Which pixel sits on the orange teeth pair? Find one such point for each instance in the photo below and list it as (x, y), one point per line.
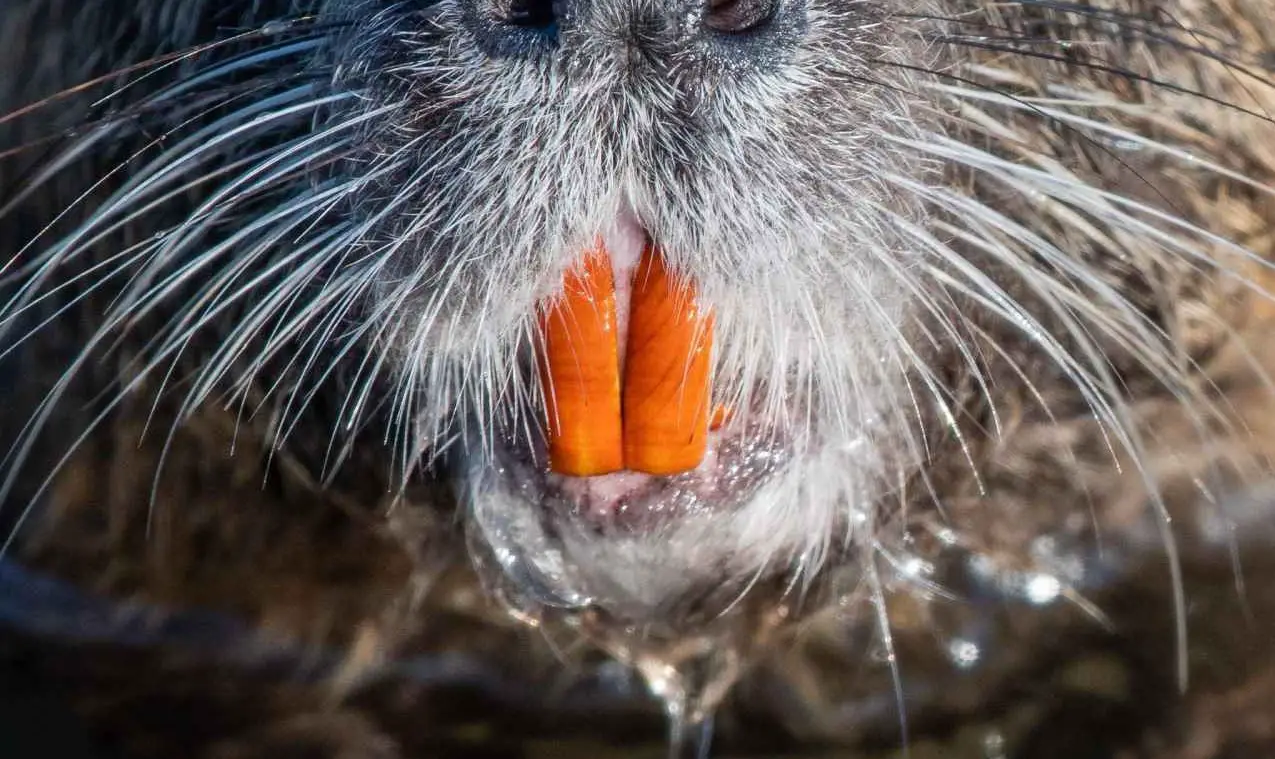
(656, 418)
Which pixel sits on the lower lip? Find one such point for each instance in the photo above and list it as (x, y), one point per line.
(605, 496)
(740, 459)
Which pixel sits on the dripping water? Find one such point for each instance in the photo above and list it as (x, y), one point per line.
(689, 741)
(690, 692)
(689, 674)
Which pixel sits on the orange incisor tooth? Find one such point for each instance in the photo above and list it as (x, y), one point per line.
(666, 373)
(580, 369)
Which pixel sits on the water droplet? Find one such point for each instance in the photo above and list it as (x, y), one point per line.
(275, 27)
(964, 653)
(1043, 589)
(914, 567)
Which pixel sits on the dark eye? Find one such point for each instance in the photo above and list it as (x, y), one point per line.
(734, 16)
(530, 13)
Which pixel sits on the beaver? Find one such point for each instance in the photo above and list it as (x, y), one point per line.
(923, 401)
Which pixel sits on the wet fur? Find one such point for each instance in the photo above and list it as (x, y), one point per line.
(1083, 352)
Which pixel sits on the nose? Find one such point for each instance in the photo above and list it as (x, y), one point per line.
(738, 31)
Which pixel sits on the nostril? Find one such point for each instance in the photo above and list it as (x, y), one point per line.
(530, 14)
(513, 29)
(737, 16)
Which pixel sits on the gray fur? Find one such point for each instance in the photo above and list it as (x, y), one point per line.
(365, 228)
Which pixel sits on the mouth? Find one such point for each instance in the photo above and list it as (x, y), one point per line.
(632, 437)
(736, 464)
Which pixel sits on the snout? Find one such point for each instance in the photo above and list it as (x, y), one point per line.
(732, 33)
